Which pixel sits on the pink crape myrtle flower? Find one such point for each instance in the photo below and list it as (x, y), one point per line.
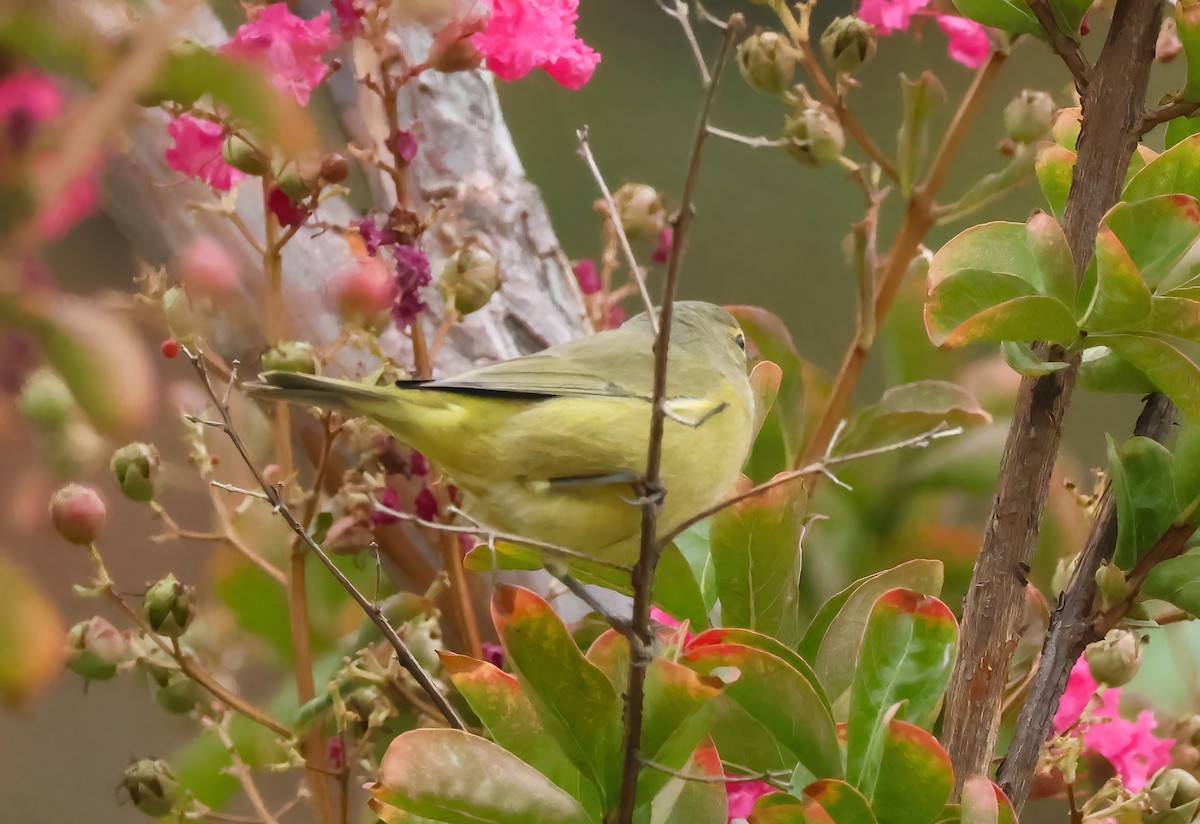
(197, 152)
(969, 41)
(290, 48)
(890, 16)
(1135, 753)
(30, 94)
(523, 35)
(77, 200)
(743, 794)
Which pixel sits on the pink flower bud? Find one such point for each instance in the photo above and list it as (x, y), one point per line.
(78, 513)
(365, 293)
(208, 270)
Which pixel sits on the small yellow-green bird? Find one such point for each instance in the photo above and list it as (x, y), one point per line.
(548, 446)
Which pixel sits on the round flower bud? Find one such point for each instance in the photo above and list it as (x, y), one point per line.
(766, 62)
(46, 401)
(95, 648)
(1029, 116)
(469, 279)
(1168, 45)
(239, 154)
(1114, 660)
(137, 468)
(641, 210)
(334, 168)
(1111, 584)
(365, 294)
(169, 607)
(173, 690)
(291, 356)
(1183, 787)
(817, 137)
(207, 270)
(151, 787)
(181, 316)
(78, 513)
(848, 42)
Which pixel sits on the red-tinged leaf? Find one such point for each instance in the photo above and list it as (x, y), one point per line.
(832, 640)
(453, 776)
(915, 777)
(574, 700)
(33, 640)
(765, 380)
(778, 697)
(1113, 295)
(770, 337)
(976, 305)
(1048, 243)
(910, 410)
(769, 645)
(1054, 168)
(985, 803)
(1170, 364)
(610, 653)
(1005, 249)
(500, 703)
(781, 808)
(1156, 233)
(702, 801)
(1175, 171)
(755, 546)
(837, 802)
(903, 667)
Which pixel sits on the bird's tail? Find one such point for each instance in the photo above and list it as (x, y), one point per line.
(327, 393)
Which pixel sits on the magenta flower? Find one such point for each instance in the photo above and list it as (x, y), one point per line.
(425, 504)
(969, 41)
(290, 48)
(588, 277)
(523, 35)
(890, 16)
(743, 794)
(28, 97)
(391, 500)
(402, 144)
(77, 200)
(493, 654)
(288, 212)
(662, 252)
(350, 15)
(418, 464)
(197, 152)
(208, 270)
(412, 272)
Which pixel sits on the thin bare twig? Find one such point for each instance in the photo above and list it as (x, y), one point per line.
(754, 142)
(1167, 111)
(1065, 46)
(242, 772)
(651, 485)
(614, 219)
(779, 779)
(403, 654)
(679, 10)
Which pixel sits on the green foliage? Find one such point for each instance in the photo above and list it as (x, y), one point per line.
(1144, 488)
(910, 410)
(1012, 16)
(984, 803)
(921, 97)
(915, 777)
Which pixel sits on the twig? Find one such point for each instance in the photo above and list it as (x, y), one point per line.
(779, 779)
(679, 10)
(228, 535)
(1063, 44)
(244, 776)
(372, 611)
(1167, 111)
(754, 142)
(614, 219)
(651, 486)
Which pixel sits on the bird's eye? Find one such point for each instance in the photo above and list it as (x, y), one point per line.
(740, 340)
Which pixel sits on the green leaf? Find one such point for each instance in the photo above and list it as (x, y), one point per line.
(920, 97)
(985, 803)
(702, 801)
(907, 652)
(678, 712)
(1113, 295)
(1143, 485)
(33, 639)
(777, 696)
(694, 544)
(676, 589)
(1054, 168)
(1029, 252)
(459, 778)
(501, 704)
(773, 341)
(976, 305)
(915, 777)
(1180, 129)
(742, 740)
(1170, 315)
(574, 699)
(1169, 363)
(765, 379)
(1187, 20)
(750, 638)
(502, 555)
(832, 640)
(1012, 16)
(1176, 581)
(1052, 253)
(836, 802)
(1103, 370)
(781, 808)
(1175, 171)
(1022, 359)
(1069, 15)
(910, 410)
(1187, 467)
(1156, 232)
(756, 551)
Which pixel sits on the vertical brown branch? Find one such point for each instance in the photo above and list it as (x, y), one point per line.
(1112, 112)
(651, 485)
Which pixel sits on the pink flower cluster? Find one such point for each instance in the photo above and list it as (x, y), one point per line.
(969, 41)
(523, 35)
(1130, 746)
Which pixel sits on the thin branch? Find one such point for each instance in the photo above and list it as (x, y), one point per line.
(614, 219)
(1167, 111)
(1065, 46)
(679, 10)
(651, 482)
(403, 654)
(244, 776)
(754, 142)
(779, 779)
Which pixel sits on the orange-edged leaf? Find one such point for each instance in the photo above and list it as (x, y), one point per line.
(783, 426)
(702, 801)
(1005, 248)
(1113, 295)
(1156, 232)
(781, 808)
(1054, 168)
(1175, 171)
(837, 802)
(915, 777)
(33, 640)
(765, 379)
(750, 638)
(985, 803)
(975, 305)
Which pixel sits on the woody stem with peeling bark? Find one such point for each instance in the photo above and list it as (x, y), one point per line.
(651, 488)
(919, 218)
(1112, 114)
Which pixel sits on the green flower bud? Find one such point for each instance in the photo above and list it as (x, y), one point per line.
(46, 401)
(169, 607)
(817, 137)
(1115, 659)
(1111, 584)
(95, 648)
(848, 42)
(151, 787)
(78, 513)
(182, 318)
(239, 154)
(291, 356)
(1179, 788)
(136, 466)
(766, 62)
(469, 279)
(1029, 117)
(294, 181)
(173, 689)
(641, 210)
